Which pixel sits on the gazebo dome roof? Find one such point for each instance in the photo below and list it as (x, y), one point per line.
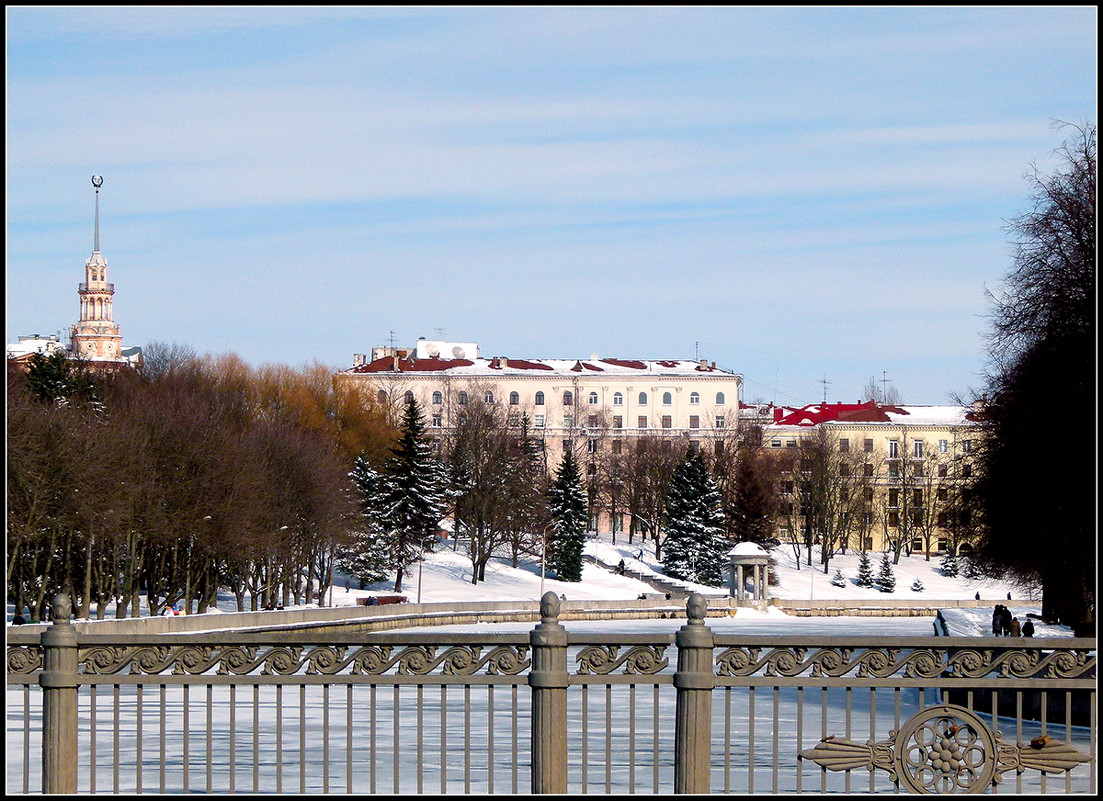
(748, 549)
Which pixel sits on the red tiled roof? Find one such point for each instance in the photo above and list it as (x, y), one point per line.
(814, 414)
(625, 363)
(387, 364)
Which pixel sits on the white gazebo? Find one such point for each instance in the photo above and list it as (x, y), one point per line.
(749, 555)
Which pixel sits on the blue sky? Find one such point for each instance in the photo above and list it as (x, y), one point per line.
(792, 193)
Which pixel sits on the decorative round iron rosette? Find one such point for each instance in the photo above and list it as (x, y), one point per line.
(946, 749)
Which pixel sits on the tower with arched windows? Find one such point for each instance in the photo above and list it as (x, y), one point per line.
(96, 336)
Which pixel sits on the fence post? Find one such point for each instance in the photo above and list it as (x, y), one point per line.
(694, 681)
(59, 700)
(548, 680)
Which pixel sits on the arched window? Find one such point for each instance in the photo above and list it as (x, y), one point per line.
(593, 399)
(568, 398)
(409, 396)
(694, 399)
(514, 399)
(437, 398)
(667, 399)
(719, 398)
(461, 398)
(490, 397)
(539, 398)
(618, 399)
(382, 396)
(643, 399)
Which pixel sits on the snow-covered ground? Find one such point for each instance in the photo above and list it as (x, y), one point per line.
(445, 576)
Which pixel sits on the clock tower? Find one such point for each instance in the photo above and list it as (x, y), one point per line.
(96, 337)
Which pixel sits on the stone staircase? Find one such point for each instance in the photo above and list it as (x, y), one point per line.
(670, 588)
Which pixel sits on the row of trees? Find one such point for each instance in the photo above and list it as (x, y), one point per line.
(197, 474)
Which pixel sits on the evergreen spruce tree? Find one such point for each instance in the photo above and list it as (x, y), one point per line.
(838, 580)
(886, 579)
(949, 565)
(917, 585)
(865, 570)
(695, 546)
(414, 494)
(567, 505)
(367, 555)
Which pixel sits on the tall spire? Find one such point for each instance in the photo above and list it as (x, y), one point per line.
(97, 181)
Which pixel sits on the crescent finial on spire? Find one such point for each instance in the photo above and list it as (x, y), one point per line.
(97, 181)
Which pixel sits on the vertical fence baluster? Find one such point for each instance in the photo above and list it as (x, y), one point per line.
(443, 739)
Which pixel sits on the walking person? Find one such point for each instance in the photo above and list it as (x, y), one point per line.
(1015, 631)
(1028, 628)
(1005, 622)
(996, 618)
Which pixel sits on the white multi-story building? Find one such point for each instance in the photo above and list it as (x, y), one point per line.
(564, 399)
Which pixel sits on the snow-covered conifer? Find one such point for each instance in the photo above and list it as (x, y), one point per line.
(917, 585)
(886, 579)
(865, 570)
(695, 546)
(949, 565)
(568, 507)
(838, 580)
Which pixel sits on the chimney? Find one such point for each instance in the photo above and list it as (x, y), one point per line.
(357, 359)
(704, 364)
(395, 363)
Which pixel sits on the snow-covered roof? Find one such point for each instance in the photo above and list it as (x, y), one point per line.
(748, 549)
(871, 412)
(500, 365)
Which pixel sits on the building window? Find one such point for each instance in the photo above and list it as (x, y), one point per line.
(437, 421)
(894, 497)
(593, 399)
(943, 446)
(694, 421)
(643, 399)
(790, 443)
(867, 470)
(490, 397)
(844, 445)
(566, 445)
(894, 449)
(917, 497)
(844, 469)
(438, 398)
(618, 399)
(568, 398)
(869, 495)
(775, 443)
(641, 421)
(667, 399)
(719, 398)
(568, 421)
(918, 448)
(461, 398)
(615, 447)
(694, 399)
(943, 521)
(618, 421)
(514, 399)
(965, 446)
(538, 421)
(667, 421)
(409, 396)
(894, 519)
(591, 446)
(943, 495)
(868, 446)
(720, 421)
(539, 398)
(942, 471)
(966, 470)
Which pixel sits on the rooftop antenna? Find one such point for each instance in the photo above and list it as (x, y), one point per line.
(440, 333)
(97, 181)
(696, 352)
(826, 384)
(884, 388)
(776, 369)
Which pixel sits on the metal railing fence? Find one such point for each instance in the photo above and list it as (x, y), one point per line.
(547, 711)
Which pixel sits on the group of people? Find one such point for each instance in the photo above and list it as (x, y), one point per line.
(1003, 624)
